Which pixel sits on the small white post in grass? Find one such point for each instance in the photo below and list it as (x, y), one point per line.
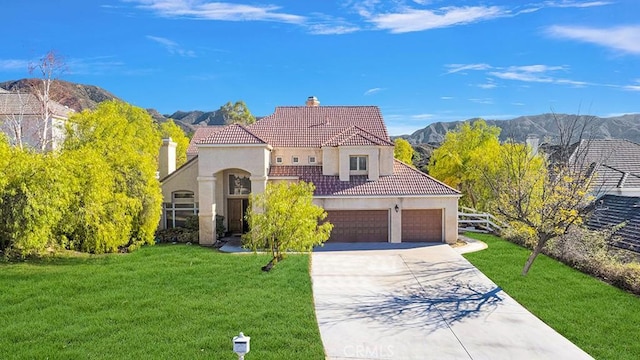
(241, 345)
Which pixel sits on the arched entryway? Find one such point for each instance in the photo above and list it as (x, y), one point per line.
(237, 200)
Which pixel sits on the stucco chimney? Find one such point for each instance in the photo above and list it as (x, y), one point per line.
(532, 143)
(312, 101)
(167, 158)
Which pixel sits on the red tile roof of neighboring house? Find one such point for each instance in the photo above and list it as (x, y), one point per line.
(404, 181)
(201, 133)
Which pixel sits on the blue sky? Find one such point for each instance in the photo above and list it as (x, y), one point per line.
(420, 61)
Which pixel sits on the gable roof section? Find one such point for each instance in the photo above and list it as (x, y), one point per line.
(611, 210)
(617, 161)
(24, 104)
(201, 133)
(233, 134)
(404, 181)
(355, 136)
(313, 126)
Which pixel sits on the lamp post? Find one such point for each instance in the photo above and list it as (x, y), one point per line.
(241, 345)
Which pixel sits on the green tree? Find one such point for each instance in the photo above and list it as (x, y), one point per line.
(284, 218)
(541, 199)
(467, 152)
(32, 194)
(127, 140)
(237, 113)
(170, 129)
(403, 151)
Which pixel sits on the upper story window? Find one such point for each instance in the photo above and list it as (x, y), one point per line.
(312, 159)
(295, 159)
(278, 159)
(358, 163)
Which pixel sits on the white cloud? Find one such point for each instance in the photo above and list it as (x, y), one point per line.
(575, 4)
(206, 10)
(632, 87)
(171, 46)
(409, 20)
(13, 64)
(454, 68)
(372, 91)
(422, 116)
(622, 38)
(331, 29)
(517, 104)
(528, 73)
(484, 101)
(446, 97)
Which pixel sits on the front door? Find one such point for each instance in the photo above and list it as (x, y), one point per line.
(237, 209)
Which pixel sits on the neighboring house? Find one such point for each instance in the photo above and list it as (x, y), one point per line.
(344, 150)
(615, 165)
(21, 119)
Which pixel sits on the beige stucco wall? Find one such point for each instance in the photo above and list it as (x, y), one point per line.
(302, 153)
(213, 161)
(330, 161)
(449, 206)
(182, 179)
(386, 160)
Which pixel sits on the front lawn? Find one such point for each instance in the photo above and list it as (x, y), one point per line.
(599, 318)
(160, 302)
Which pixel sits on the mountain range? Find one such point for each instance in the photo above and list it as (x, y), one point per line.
(80, 97)
(544, 126)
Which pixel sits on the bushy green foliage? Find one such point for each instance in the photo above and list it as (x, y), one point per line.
(98, 194)
(403, 151)
(127, 140)
(465, 155)
(285, 218)
(169, 129)
(237, 113)
(31, 196)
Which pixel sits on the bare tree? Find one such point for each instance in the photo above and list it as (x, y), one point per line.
(48, 68)
(12, 116)
(544, 196)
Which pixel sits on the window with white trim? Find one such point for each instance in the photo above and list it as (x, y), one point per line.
(358, 163)
(312, 159)
(181, 207)
(295, 159)
(278, 159)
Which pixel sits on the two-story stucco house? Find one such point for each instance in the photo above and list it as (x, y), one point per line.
(344, 151)
(21, 119)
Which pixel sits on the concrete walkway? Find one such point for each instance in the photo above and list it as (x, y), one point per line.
(418, 301)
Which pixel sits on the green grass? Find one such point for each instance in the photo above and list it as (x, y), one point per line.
(160, 302)
(599, 318)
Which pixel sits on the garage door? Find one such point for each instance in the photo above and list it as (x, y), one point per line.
(359, 225)
(422, 225)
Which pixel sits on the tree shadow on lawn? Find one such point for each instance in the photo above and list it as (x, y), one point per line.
(438, 297)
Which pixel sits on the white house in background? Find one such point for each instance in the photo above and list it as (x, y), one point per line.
(344, 151)
(21, 118)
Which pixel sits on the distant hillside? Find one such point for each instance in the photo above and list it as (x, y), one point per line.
(544, 126)
(76, 96)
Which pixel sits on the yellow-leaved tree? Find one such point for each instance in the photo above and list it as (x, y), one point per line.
(284, 218)
(466, 154)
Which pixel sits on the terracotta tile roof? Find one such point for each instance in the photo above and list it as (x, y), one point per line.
(613, 158)
(232, 134)
(404, 181)
(355, 136)
(313, 126)
(201, 133)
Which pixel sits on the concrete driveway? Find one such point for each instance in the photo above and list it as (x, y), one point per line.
(408, 301)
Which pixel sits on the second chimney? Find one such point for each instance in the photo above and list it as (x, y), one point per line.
(312, 101)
